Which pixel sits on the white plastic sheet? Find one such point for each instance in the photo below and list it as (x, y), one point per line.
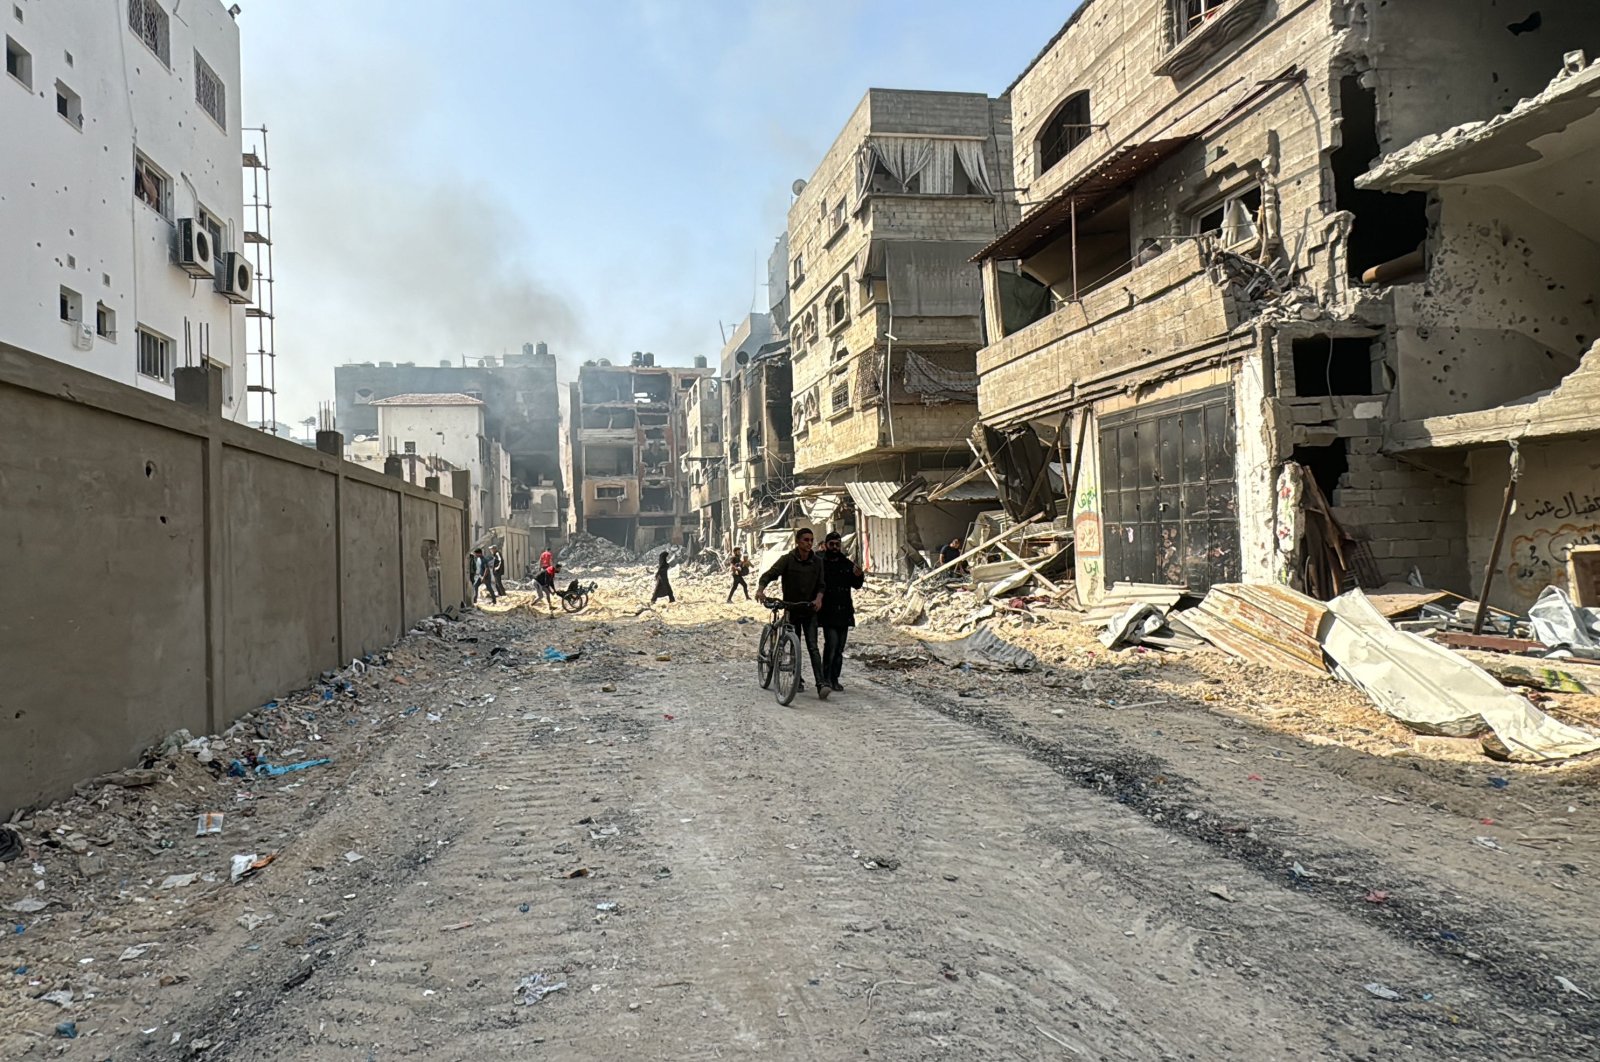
(1433, 691)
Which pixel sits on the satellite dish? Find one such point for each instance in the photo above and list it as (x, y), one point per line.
(798, 186)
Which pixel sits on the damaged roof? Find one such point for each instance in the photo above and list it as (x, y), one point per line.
(1536, 130)
(428, 400)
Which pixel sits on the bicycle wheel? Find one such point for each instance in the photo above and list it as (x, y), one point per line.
(786, 666)
(574, 602)
(764, 658)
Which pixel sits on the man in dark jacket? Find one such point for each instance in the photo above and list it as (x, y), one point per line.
(838, 615)
(803, 580)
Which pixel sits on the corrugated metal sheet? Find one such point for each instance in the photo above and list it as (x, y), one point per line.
(872, 498)
(1265, 624)
(822, 507)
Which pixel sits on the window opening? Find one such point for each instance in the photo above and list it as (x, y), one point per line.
(155, 356)
(411, 447)
(71, 305)
(105, 322)
(209, 91)
(1232, 221)
(1190, 15)
(149, 23)
(1387, 225)
(1065, 130)
(69, 105)
(610, 493)
(840, 399)
(152, 187)
(1325, 366)
(19, 63)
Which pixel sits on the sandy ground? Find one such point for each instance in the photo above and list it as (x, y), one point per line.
(1126, 856)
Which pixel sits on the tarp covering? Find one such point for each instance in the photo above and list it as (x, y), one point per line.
(1433, 691)
(935, 383)
(1560, 624)
(983, 648)
(927, 278)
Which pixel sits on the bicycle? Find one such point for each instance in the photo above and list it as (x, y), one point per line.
(778, 654)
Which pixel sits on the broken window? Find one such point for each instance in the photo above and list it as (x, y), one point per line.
(1329, 365)
(1388, 226)
(610, 493)
(1065, 130)
(656, 499)
(1190, 15)
(151, 186)
(1232, 222)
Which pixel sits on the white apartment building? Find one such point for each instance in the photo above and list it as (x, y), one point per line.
(449, 427)
(121, 193)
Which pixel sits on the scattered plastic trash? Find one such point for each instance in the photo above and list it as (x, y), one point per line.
(28, 905)
(134, 952)
(1568, 986)
(1499, 783)
(555, 656)
(61, 997)
(252, 921)
(273, 771)
(524, 908)
(1376, 896)
(208, 822)
(1383, 991)
(668, 718)
(1254, 778)
(1487, 842)
(1299, 873)
(535, 987)
(608, 905)
(435, 717)
(580, 872)
(10, 844)
(353, 857)
(1221, 892)
(245, 865)
(179, 881)
(67, 1030)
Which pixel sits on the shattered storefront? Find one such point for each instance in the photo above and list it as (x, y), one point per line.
(1274, 365)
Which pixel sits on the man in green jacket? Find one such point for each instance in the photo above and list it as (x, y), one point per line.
(802, 578)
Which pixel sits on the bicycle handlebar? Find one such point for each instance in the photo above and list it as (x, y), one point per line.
(775, 605)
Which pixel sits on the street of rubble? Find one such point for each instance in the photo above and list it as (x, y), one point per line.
(634, 852)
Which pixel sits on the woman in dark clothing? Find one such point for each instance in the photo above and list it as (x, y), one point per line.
(663, 584)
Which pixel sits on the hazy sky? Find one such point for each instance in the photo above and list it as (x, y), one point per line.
(457, 178)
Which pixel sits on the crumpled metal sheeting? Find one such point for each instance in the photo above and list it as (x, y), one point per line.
(983, 648)
(1433, 691)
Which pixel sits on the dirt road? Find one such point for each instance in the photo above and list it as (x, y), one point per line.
(900, 872)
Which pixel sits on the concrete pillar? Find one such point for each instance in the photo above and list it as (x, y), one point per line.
(431, 483)
(461, 486)
(394, 465)
(199, 386)
(993, 320)
(331, 442)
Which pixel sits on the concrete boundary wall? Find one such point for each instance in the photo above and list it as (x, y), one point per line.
(162, 568)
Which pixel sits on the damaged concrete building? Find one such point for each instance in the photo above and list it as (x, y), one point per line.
(630, 435)
(1287, 346)
(705, 465)
(885, 315)
(757, 422)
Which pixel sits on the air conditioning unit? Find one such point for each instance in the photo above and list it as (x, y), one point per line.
(239, 281)
(196, 256)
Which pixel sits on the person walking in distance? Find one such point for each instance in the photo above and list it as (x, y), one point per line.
(803, 579)
(481, 576)
(546, 579)
(497, 568)
(663, 583)
(842, 576)
(740, 568)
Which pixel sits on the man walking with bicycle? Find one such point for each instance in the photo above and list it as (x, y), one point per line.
(801, 574)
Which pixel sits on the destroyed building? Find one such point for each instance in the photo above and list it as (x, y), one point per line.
(520, 408)
(757, 428)
(885, 316)
(630, 437)
(705, 466)
(1291, 319)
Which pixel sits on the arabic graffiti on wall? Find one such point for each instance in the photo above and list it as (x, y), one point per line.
(1538, 558)
(1566, 507)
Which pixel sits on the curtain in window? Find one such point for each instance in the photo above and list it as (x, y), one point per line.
(970, 152)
